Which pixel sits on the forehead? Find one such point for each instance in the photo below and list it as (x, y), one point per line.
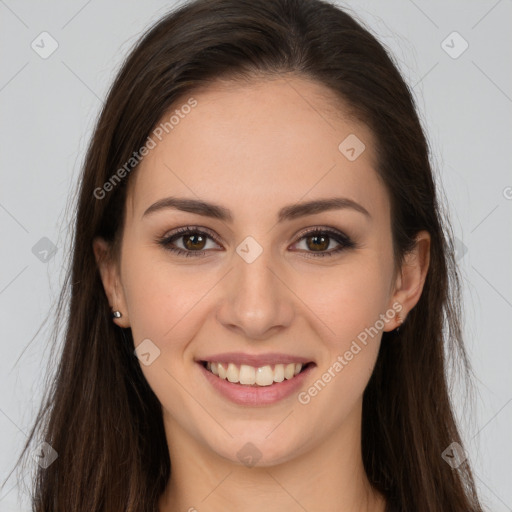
(257, 143)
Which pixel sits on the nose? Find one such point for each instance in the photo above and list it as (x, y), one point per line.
(256, 300)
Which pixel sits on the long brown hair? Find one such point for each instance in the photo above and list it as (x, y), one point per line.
(101, 416)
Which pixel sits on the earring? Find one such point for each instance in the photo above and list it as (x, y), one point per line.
(400, 322)
(116, 314)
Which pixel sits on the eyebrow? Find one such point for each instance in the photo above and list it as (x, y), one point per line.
(286, 213)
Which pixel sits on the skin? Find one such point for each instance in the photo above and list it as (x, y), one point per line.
(254, 148)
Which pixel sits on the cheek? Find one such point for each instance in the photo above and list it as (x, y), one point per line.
(164, 307)
(353, 312)
(348, 299)
(351, 307)
(161, 298)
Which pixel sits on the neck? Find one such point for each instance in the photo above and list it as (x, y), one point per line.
(329, 477)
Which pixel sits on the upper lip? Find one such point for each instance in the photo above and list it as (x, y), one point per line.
(257, 361)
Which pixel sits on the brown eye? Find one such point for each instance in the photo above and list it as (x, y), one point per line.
(194, 242)
(188, 242)
(317, 242)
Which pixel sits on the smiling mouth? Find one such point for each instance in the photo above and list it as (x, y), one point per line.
(247, 375)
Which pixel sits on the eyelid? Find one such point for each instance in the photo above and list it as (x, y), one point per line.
(196, 229)
(334, 233)
(320, 228)
(216, 238)
(344, 241)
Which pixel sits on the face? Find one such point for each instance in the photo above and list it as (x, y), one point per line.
(256, 282)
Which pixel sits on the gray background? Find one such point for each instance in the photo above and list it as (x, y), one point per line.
(48, 110)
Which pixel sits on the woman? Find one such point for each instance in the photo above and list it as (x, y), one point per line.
(260, 282)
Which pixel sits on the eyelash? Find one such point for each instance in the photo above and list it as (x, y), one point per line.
(344, 241)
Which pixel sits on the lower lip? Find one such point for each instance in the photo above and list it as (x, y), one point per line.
(256, 395)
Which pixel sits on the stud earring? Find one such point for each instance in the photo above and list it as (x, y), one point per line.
(400, 322)
(116, 314)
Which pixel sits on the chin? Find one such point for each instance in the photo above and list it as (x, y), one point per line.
(252, 450)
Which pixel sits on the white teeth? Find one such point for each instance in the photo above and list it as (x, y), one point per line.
(278, 373)
(289, 371)
(264, 376)
(250, 375)
(222, 371)
(233, 373)
(247, 374)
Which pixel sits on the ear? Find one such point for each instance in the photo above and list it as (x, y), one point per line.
(109, 272)
(411, 278)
